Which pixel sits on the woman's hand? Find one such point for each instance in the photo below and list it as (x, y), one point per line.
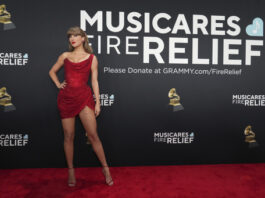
(97, 109)
(62, 85)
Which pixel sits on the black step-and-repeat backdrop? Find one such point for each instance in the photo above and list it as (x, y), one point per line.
(181, 82)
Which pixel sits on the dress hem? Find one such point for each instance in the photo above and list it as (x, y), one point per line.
(79, 110)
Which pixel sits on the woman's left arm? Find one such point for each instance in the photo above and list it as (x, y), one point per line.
(94, 82)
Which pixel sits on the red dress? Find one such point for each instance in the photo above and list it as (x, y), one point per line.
(76, 94)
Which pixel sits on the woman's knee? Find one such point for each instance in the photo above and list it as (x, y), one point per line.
(93, 137)
(68, 136)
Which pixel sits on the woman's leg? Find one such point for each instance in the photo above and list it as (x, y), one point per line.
(69, 131)
(88, 119)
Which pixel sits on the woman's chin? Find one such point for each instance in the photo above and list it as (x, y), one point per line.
(74, 46)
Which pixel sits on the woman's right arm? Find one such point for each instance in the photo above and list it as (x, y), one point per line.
(59, 63)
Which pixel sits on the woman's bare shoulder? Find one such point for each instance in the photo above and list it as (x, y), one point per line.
(63, 55)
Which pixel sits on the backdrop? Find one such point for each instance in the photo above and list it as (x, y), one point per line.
(181, 82)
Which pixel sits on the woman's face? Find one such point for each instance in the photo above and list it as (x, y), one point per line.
(76, 40)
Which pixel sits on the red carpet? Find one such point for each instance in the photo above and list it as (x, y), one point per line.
(186, 181)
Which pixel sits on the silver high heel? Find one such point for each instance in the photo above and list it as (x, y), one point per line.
(71, 183)
(109, 181)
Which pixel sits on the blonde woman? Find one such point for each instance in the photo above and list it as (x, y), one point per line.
(75, 97)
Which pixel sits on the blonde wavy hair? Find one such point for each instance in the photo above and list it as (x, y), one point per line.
(78, 31)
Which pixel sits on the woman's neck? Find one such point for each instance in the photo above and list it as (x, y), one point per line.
(79, 50)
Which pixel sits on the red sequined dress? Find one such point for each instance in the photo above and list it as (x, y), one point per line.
(77, 93)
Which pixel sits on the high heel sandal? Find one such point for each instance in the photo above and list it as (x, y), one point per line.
(109, 181)
(71, 183)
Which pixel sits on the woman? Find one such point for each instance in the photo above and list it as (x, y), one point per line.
(75, 97)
